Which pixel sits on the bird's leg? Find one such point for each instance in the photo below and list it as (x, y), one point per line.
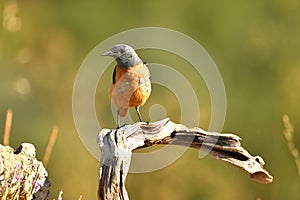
(118, 119)
(137, 108)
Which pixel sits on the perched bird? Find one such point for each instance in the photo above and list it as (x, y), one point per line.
(131, 86)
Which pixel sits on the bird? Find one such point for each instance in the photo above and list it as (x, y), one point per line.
(131, 85)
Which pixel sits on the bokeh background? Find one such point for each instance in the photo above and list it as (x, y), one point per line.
(255, 44)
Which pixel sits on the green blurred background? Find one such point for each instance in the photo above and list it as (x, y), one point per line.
(255, 44)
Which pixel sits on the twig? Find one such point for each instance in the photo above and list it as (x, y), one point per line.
(7, 128)
(50, 144)
(288, 132)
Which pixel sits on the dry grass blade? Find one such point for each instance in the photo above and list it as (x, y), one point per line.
(50, 144)
(60, 195)
(8, 122)
(288, 133)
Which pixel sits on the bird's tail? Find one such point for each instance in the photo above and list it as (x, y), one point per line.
(123, 112)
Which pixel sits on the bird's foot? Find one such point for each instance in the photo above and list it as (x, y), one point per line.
(120, 126)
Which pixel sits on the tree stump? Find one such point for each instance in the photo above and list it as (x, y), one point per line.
(117, 146)
(22, 176)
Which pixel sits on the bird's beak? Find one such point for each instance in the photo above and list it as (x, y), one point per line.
(108, 53)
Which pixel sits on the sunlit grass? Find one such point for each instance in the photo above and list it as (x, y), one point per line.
(50, 145)
(7, 129)
(288, 132)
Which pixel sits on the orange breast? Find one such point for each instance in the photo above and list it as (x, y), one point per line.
(132, 87)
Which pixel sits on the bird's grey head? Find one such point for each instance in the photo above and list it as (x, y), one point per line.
(124, 55)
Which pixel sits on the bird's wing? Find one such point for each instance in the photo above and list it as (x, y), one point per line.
(146, 64)
(114, 76)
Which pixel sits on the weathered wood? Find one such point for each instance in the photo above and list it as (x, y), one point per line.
(22, 176)
(117, 146)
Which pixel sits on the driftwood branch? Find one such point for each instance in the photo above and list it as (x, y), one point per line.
(117, 146)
